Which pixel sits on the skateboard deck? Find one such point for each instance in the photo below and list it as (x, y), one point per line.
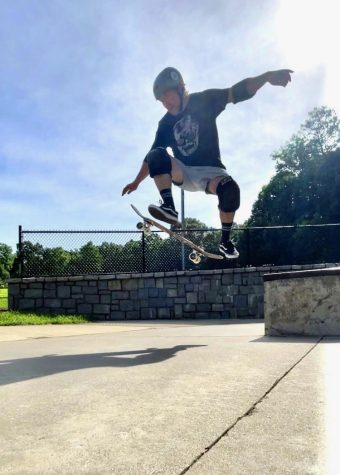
(197, 251)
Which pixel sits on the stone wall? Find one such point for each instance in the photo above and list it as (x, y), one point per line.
(223, 293)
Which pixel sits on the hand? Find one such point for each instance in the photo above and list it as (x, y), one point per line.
(280, 77)
(130, 188)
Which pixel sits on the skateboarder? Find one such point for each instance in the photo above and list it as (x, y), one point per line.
(189, 129)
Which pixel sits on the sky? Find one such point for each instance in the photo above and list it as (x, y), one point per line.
(77, 112)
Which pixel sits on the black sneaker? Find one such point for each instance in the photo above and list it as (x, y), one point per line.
(229, 250)
(164, 213)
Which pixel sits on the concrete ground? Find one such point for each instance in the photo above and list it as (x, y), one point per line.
(203, 398)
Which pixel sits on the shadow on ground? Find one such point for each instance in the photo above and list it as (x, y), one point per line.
(296, 339)
(13, 371)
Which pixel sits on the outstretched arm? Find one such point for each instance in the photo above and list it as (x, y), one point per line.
(160, 141)
(142, 174)
(247, 88)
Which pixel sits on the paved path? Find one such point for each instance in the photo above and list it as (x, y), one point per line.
(153, 398)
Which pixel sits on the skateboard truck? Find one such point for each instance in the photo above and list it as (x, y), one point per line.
(145, 227)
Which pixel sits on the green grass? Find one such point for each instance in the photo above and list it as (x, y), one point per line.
(11, 317)
(3, 298)
(25, 318)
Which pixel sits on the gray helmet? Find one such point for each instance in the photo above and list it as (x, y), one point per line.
(169, 78)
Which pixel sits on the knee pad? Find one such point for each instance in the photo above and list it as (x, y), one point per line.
(228, 193)
(159, 162)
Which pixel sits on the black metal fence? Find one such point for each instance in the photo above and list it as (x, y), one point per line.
(60, 253)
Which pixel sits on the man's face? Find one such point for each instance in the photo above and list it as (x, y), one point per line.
(171, 101)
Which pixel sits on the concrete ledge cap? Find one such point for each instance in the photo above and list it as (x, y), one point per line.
(272, 273)
(302, 273)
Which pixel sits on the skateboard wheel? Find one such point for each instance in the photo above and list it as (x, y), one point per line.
(140, 225)
(194, 257)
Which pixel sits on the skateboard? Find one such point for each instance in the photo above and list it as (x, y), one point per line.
(197, 252)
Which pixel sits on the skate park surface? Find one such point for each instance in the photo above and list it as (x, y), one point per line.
(167, 397)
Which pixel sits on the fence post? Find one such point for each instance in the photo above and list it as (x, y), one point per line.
(143, 253)
(248, 246)
(182, 219)
(20, 263)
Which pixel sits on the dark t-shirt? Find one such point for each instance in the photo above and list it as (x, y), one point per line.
(192, 134)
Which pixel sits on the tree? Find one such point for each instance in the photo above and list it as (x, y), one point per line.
(86, 261)
(318, 136)
(312, 197)
(112, 256)
(55, 261)
(32, 259)
(305, 190)
(307, 175)
(275, 203)
(6, 261)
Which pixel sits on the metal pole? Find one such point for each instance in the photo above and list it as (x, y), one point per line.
(182, 219)
(20, 267)
(143, 253)
(248, 246)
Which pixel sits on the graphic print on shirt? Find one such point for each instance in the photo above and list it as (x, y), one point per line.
(186, 132)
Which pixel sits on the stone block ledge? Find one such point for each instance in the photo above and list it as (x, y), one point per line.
(236, 270)
(222, 293)
(303, 302)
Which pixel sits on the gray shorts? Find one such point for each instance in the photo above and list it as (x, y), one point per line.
(197, 178)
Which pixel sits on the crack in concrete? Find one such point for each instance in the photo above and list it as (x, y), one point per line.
(250, 411)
